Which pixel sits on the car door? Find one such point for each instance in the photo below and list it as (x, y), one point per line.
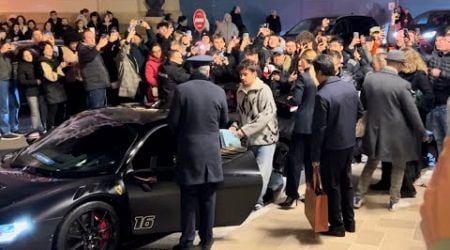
(237, 195)
(157, 210)
(154, 204)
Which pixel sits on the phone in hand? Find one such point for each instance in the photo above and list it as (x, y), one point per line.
(355, 34)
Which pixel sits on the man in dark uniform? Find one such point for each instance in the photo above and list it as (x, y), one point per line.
(198, 110)
(336, 111)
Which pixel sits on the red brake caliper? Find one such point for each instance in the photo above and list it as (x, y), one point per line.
(103, 228)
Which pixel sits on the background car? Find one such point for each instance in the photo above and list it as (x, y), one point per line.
(342, 26)
(104, 178)
(430, 23)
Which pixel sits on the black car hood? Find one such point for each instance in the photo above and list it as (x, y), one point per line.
(16, 185)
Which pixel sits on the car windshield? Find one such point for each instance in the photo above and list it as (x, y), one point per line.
(90, 143)
(307, 25)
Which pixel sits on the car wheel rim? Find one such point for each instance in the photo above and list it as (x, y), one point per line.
(95, 229)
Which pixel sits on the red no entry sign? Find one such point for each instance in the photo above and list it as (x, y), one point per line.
(199, 19)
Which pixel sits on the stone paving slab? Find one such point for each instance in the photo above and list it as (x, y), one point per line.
(279, 229)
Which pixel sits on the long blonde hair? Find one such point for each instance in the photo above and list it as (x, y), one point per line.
(310, 55)
(413, 61)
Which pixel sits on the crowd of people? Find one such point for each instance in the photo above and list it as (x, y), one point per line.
(327, 85)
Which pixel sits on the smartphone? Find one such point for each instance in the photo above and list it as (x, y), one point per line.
(245, 36)
(104, 35)
(355, 34)
(92, 29)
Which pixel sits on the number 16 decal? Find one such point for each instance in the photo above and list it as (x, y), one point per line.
(144, 222)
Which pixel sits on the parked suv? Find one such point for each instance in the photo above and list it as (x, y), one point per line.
(430, 23)
(342, 26)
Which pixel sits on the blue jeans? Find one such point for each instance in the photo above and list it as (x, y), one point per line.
(96, 99)
(437, 122)
(264, 159)
(9, 107)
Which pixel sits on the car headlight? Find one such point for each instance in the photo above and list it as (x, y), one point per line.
(9, 232)
(429, 35)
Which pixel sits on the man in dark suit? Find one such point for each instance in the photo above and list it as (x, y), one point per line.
(393, 129)
(198, 110)
(336, 111)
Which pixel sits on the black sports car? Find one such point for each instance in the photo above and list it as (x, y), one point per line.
(105, 177)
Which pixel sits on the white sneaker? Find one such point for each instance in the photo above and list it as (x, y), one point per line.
(393, 206)
(258, 207)
(357, 202)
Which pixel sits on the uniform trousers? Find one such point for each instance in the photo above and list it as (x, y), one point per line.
(201, 198)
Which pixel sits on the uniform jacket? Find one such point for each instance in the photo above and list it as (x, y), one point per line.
(336, 110)
(393, 125)
(198, 110)
(257, 114)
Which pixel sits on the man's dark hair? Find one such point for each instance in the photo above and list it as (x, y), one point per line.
(217, 36)
(337, 39)
(250, 50)
(171, 53)
(289, 40)
(163, 24)
(43, 44)
(324, 64)
(84, 11)
(95, 13)
(247, 64)
(53, 12)
(305, 37)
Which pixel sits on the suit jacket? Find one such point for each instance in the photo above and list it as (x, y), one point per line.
(198, 110)
(336, 110)
(304, 93)
(393, 125)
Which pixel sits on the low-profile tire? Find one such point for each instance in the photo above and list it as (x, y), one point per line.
(94, 225)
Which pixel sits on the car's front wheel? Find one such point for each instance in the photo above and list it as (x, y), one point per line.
(93, 225)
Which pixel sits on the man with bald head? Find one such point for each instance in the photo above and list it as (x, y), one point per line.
(93, 70)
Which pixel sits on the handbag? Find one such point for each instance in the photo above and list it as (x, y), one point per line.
(316, 204)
